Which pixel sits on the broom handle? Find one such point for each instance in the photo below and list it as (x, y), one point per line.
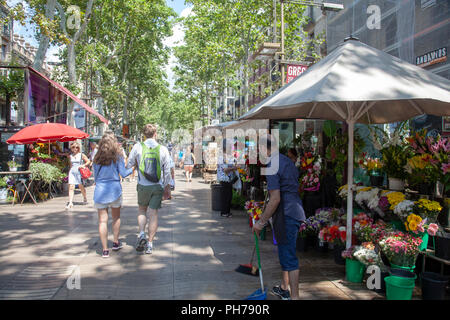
(259, 263)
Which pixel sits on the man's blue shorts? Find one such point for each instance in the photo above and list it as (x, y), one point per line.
(287, 252)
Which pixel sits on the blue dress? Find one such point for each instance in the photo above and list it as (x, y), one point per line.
(107, 181)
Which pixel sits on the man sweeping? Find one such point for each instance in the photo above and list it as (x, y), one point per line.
(285, 206)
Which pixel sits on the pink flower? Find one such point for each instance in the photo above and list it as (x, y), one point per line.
(432, 229)
(446, 168)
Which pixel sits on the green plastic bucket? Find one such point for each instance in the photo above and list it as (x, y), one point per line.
(424, 244)
(410, 269)
(398, 288)
(354, 270)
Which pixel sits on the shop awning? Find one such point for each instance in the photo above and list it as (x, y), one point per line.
(71, 95)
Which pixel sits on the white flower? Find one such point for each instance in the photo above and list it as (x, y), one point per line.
(404, 208)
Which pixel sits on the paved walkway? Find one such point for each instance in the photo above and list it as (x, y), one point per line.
(195, 254)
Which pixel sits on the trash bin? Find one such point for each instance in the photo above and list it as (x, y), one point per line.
(433, 286)
(216, 197)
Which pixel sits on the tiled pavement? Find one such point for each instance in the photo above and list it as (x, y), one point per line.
(196, 252)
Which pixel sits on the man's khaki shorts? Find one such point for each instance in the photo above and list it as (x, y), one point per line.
(150, 196)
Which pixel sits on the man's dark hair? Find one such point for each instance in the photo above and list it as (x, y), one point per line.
(149, 131)
(293, 151)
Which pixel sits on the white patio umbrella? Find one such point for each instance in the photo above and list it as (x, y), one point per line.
(358, 84)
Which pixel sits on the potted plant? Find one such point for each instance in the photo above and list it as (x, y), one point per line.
(373, 167)
(395, 153)
(12, 165)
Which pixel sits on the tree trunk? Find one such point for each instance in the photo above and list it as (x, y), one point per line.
(8, 109)
(45, 41)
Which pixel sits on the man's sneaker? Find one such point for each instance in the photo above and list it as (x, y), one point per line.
(283, 294)
(141, 242)
(117, 246)
(148, 249)
(105, 254)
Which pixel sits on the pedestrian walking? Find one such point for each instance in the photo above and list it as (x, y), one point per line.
(109, 166)
(188, 163)
(153, 163)
(180, 157)
(77, 160)
(285, 208)
(172, 173)
(225, 176)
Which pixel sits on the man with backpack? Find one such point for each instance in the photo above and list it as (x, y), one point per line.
(153, 163)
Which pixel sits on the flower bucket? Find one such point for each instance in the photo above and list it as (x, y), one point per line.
(338, 255)
(354, 270)
(406, 268)
(433, 286)
(423, 246)
(402, 273)
(376, 181)
(396, 184)
(398, 289)
(442, 249)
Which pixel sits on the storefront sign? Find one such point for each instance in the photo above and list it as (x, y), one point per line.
(433, 57)
(293, 71)
(445, 124)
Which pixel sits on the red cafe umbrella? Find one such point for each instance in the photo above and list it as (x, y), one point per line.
(46, 133)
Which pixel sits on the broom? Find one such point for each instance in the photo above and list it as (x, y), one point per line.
(250, 269)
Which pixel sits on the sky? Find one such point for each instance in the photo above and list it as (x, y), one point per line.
(178, 5)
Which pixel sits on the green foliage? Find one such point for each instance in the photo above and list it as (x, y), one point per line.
(238, 200)
(45, 172)
(337, 151)
(3, 183)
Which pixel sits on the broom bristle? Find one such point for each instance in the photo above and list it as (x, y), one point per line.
(247, 269)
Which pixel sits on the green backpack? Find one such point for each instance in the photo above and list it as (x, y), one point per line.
(150, 164)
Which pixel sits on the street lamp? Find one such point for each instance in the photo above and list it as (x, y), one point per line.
(325, 6)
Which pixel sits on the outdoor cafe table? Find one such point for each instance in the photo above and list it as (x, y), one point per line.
(27, 188)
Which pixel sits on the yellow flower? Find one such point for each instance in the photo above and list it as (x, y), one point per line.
(343, 187)
(365, 189)
(395, 198)
(414, 218)
(413, 225)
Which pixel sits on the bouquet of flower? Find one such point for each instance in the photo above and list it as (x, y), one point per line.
(244, 176)
(373, 232)
(394, 149)
(349, 253)
(420, 169)
(368, 196)
(373, 166)
(315, 223)
(311, 168)
(427, 209)
(435, 152)
(401, 248)
(254, 208)
(367, 255)
(417, 225)
(335, 234)
(361, 220)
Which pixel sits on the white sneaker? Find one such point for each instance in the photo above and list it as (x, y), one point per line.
(148, 248)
